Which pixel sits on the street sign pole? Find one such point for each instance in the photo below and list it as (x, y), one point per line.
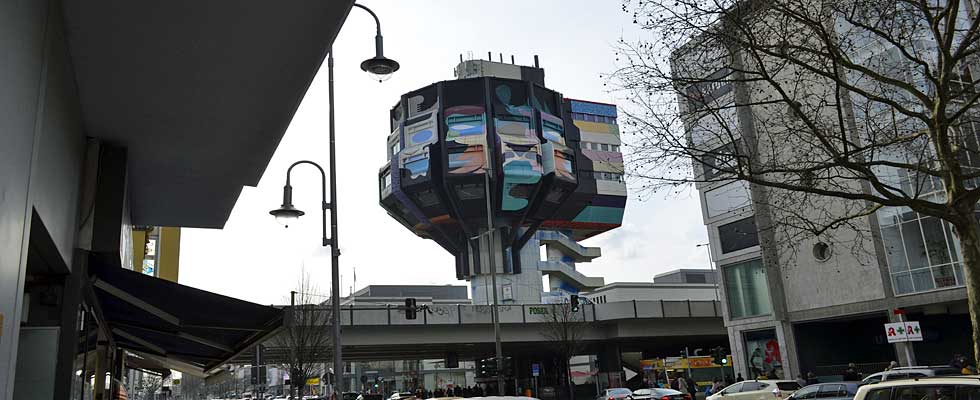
(908, 346)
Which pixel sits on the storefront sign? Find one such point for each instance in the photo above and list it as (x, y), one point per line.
(908, 331)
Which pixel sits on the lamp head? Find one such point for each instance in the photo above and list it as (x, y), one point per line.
(286, 214)
(380, 67)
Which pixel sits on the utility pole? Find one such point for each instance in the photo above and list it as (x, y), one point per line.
(492, 256)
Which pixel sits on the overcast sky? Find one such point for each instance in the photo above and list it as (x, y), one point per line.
(256, 259)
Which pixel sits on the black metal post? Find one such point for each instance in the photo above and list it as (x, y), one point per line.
(338, 363)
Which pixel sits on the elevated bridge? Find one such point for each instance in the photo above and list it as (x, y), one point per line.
(376, 332)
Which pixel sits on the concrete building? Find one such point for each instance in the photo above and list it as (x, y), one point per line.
(708, 276)
(396, 294)
(794, 306)
(646, 291)
(680, 284)
(493, 165)
(112, 116)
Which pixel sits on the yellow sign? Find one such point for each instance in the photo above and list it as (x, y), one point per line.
(682, 363)
(313, 381)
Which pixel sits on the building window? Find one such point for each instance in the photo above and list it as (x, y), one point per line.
(727, 198)
(395, 147)
(763, 353)
(719, 161)
(386, 180)
(738, 235)
(921, 252)
(746, 289)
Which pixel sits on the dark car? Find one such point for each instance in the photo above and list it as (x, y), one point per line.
(827, 391)
(660, 394)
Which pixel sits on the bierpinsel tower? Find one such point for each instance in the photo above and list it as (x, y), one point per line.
(493, 165)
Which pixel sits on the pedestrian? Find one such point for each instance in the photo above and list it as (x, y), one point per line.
(717, 386)
(811, 378)
(851, 374)
(800, 380)
(957, 361)
(692, 386)
(739, 378)
(968, 370)
(681, 384)
(892, 365)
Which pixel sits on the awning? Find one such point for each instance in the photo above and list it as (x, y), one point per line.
(188, 329)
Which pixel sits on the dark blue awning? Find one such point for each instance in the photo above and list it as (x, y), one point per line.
(188, 327)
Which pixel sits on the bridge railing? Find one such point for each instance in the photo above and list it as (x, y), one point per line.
(458, 314)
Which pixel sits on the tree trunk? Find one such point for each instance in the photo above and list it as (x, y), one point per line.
(568, 378)
(969, 232)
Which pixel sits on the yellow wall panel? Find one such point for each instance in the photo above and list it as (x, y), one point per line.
(168, 264)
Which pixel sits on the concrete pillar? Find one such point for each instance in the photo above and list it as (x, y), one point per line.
(611, 365)
(70, 321)
(102, 365)
(787, 348)
(904, 351)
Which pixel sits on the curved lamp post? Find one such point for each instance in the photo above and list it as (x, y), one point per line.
(381, 69)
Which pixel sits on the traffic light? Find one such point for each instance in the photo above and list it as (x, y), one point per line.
(410, 309)
(574, 302)
(718, 356)
(487, 368)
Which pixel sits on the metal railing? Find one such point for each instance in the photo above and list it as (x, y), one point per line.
(459, 314)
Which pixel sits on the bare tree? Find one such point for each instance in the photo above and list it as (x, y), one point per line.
(192, 387)
(305, 343)
(147, 386)
(563, 329)
(832, 112)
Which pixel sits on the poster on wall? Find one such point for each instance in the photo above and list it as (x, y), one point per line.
(763, 355)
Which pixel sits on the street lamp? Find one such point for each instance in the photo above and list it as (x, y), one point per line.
(381, 69)
(711, 266)
(379, 66)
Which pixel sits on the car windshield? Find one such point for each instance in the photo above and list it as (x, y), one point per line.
(788, 386)
(619, 391)
(643, 392)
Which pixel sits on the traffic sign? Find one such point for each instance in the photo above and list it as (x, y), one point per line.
(535, 369)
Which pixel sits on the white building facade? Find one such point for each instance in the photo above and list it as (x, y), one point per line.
(795, 305)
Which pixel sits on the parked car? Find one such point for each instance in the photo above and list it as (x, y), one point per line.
(827, 391)
(351, 396)
(615, 394)
(929, 388)
(758, 390)
(911, 372)
(660, 394)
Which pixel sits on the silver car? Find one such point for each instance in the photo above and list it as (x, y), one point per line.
(911, 372)
(659, 394)
(615, 394)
